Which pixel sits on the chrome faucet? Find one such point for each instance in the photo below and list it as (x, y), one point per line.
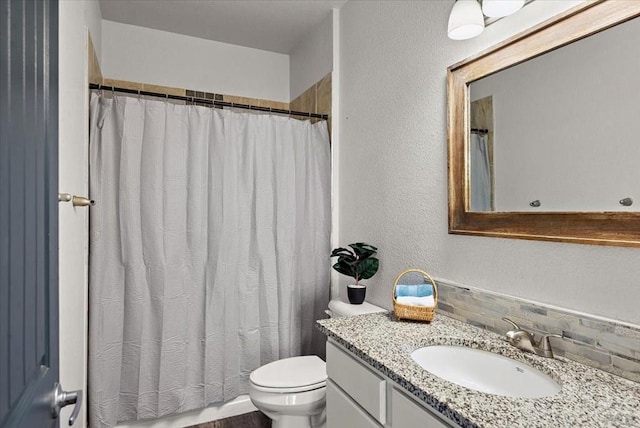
(525, 341)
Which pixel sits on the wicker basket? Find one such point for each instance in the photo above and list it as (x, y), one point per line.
(410, 312)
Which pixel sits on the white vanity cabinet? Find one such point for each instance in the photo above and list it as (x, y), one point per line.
(406, 413)
(359, 397)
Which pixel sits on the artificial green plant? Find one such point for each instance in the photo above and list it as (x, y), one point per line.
(357, 261)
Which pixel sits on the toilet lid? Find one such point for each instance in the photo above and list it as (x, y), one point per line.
(291, 372)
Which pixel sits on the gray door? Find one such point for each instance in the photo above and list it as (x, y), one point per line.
(28, 211)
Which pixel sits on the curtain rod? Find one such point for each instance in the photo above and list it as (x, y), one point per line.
(207, 101)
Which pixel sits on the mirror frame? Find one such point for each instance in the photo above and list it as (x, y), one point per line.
(601, 228)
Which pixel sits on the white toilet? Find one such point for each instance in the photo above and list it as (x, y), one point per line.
(292, 391)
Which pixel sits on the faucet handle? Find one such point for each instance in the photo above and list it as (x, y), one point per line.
(545, 346)
(516, 326)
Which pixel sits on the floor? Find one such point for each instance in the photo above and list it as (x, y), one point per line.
(248, 420)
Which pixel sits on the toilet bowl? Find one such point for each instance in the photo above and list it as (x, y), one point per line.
(292, 391)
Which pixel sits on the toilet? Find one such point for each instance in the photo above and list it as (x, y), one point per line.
(292, 391)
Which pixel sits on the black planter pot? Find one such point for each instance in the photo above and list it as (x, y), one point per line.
(356, 294)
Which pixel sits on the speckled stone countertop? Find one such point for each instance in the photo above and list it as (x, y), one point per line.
(589, 397)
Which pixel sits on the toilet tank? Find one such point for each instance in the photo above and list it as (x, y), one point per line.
(340, 307)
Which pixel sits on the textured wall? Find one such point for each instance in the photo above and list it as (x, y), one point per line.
(78, 20)
(312, 58)
(392, 168)
(180, 61)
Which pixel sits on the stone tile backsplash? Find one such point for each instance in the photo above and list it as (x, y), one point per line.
(605, 344)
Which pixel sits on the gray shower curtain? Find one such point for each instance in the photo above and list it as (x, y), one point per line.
(209, 250)
(481, 192)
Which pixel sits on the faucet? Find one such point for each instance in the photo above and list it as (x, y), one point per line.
(525, 341)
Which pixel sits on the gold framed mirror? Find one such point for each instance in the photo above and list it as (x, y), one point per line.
(598, 226)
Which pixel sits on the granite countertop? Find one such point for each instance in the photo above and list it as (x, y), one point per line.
(589, 397)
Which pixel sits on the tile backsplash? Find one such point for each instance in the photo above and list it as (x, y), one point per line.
(609, 345)
(316, 99)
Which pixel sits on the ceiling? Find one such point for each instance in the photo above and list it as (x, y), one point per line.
(272, 25)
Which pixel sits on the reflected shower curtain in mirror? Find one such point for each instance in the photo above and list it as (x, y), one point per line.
(209, 250)
(480, 177)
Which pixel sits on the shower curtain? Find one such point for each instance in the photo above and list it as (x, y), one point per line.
(209, 250)
(480, 173)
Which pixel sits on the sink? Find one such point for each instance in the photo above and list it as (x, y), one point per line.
(485, 371)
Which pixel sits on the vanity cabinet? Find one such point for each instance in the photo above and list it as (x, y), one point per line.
(342, 411)
(359, 397)
(406, 413)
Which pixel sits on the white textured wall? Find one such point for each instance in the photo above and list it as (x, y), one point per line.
(393, 168)
(564, 129)
(152, 56)
(93, 22)
(76, 19)
(312, 58)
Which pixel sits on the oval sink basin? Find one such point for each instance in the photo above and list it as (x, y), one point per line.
(485, 371)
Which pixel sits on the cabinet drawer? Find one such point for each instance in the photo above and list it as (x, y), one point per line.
(343, 412)
(363, 385)
(405, 413)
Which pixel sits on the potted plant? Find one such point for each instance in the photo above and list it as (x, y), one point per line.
(357, 262)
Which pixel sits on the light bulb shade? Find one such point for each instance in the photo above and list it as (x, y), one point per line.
(500, 8)
(466, 20)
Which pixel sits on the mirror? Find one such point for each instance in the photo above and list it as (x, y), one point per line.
(541, 138)
(559, 129)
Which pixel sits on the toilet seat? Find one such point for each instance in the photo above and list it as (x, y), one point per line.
(296, 374)
(305, 388)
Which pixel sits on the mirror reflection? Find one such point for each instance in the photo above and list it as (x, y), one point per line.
(557, 132)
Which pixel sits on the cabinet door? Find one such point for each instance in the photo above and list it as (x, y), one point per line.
(343, 412)
(366, 387)
(407, 414)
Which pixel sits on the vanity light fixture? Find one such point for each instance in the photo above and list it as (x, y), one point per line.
(500, 8)
(467, 17)
(466, 20)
